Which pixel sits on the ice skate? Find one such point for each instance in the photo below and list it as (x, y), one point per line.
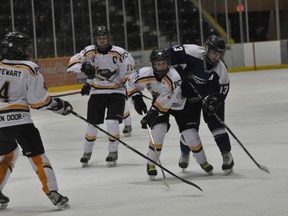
(151, 171)
(228, 163)
(127, 130)
(208, 168)
(184, 160)
(85, 158)
(58, 200)
(111, 159)
(4, 200)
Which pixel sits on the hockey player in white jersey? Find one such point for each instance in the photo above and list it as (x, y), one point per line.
(22, 87)
(126, 116)
(164, 84)
(205, 70)
(106, 68)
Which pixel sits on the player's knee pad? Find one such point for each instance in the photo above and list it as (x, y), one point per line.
(113, 129)
(190, 137)
(91, 133)
(158, 132)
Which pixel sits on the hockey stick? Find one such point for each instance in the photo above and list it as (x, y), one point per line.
(156, 152)
(261, 167)
(134, 150)
(65, 94)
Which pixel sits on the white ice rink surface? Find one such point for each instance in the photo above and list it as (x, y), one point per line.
(257, 113)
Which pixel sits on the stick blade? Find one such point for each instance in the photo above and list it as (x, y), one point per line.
(264, 168)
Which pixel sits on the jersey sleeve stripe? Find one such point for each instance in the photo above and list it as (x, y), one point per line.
(160, 108)
(72, 63)
(46, 102)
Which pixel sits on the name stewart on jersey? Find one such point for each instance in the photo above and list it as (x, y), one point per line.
(6, 72)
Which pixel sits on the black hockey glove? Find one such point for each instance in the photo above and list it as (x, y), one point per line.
(211, 104)
(85, 89)
(139, 104)
(62, 107)
(88, 69)
(149, 119)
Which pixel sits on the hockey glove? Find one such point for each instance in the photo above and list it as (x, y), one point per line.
(211, 104)
(62, 107)
(149, 119)
(88, 69)
(85, 89)
(139, 104)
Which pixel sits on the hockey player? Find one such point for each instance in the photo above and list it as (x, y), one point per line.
(164, 84)
(126, 116)
(205, 71)
(106, 68)
(21, 87)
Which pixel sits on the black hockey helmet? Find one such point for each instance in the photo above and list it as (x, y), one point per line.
(102, 31)
(215, 43)
(159, 55)
(16, 46)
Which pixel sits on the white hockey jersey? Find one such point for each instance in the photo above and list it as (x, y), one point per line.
(21, 86)
(116, 64)
(166, 94)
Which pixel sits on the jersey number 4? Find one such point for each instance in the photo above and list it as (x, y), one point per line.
(4, 92)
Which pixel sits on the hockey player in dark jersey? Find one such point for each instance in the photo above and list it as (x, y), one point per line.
(22, 87)
(203, 69)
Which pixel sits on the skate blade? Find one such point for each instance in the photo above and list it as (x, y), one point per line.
(3, 205)
(228, 172)
(84, 165)
(152, 178)
(127, 134)
(210, 173)
(64, 206)
(112, 163)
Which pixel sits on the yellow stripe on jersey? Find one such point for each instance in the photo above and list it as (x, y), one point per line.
(95, 85)
(146, 80)
(41, 104)
(131, 92)
(161, 108)
(15, 106)
(73, 62)
(22, 66)
(168, 82)
(90, 52)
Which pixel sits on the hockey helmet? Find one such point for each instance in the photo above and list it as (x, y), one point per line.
(16, 46)
(102, 31)
(217, 44)
(156, 56)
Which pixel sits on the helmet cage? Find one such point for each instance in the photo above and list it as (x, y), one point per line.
(159, 55)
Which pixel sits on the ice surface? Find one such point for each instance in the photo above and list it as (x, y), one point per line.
(257, 113)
